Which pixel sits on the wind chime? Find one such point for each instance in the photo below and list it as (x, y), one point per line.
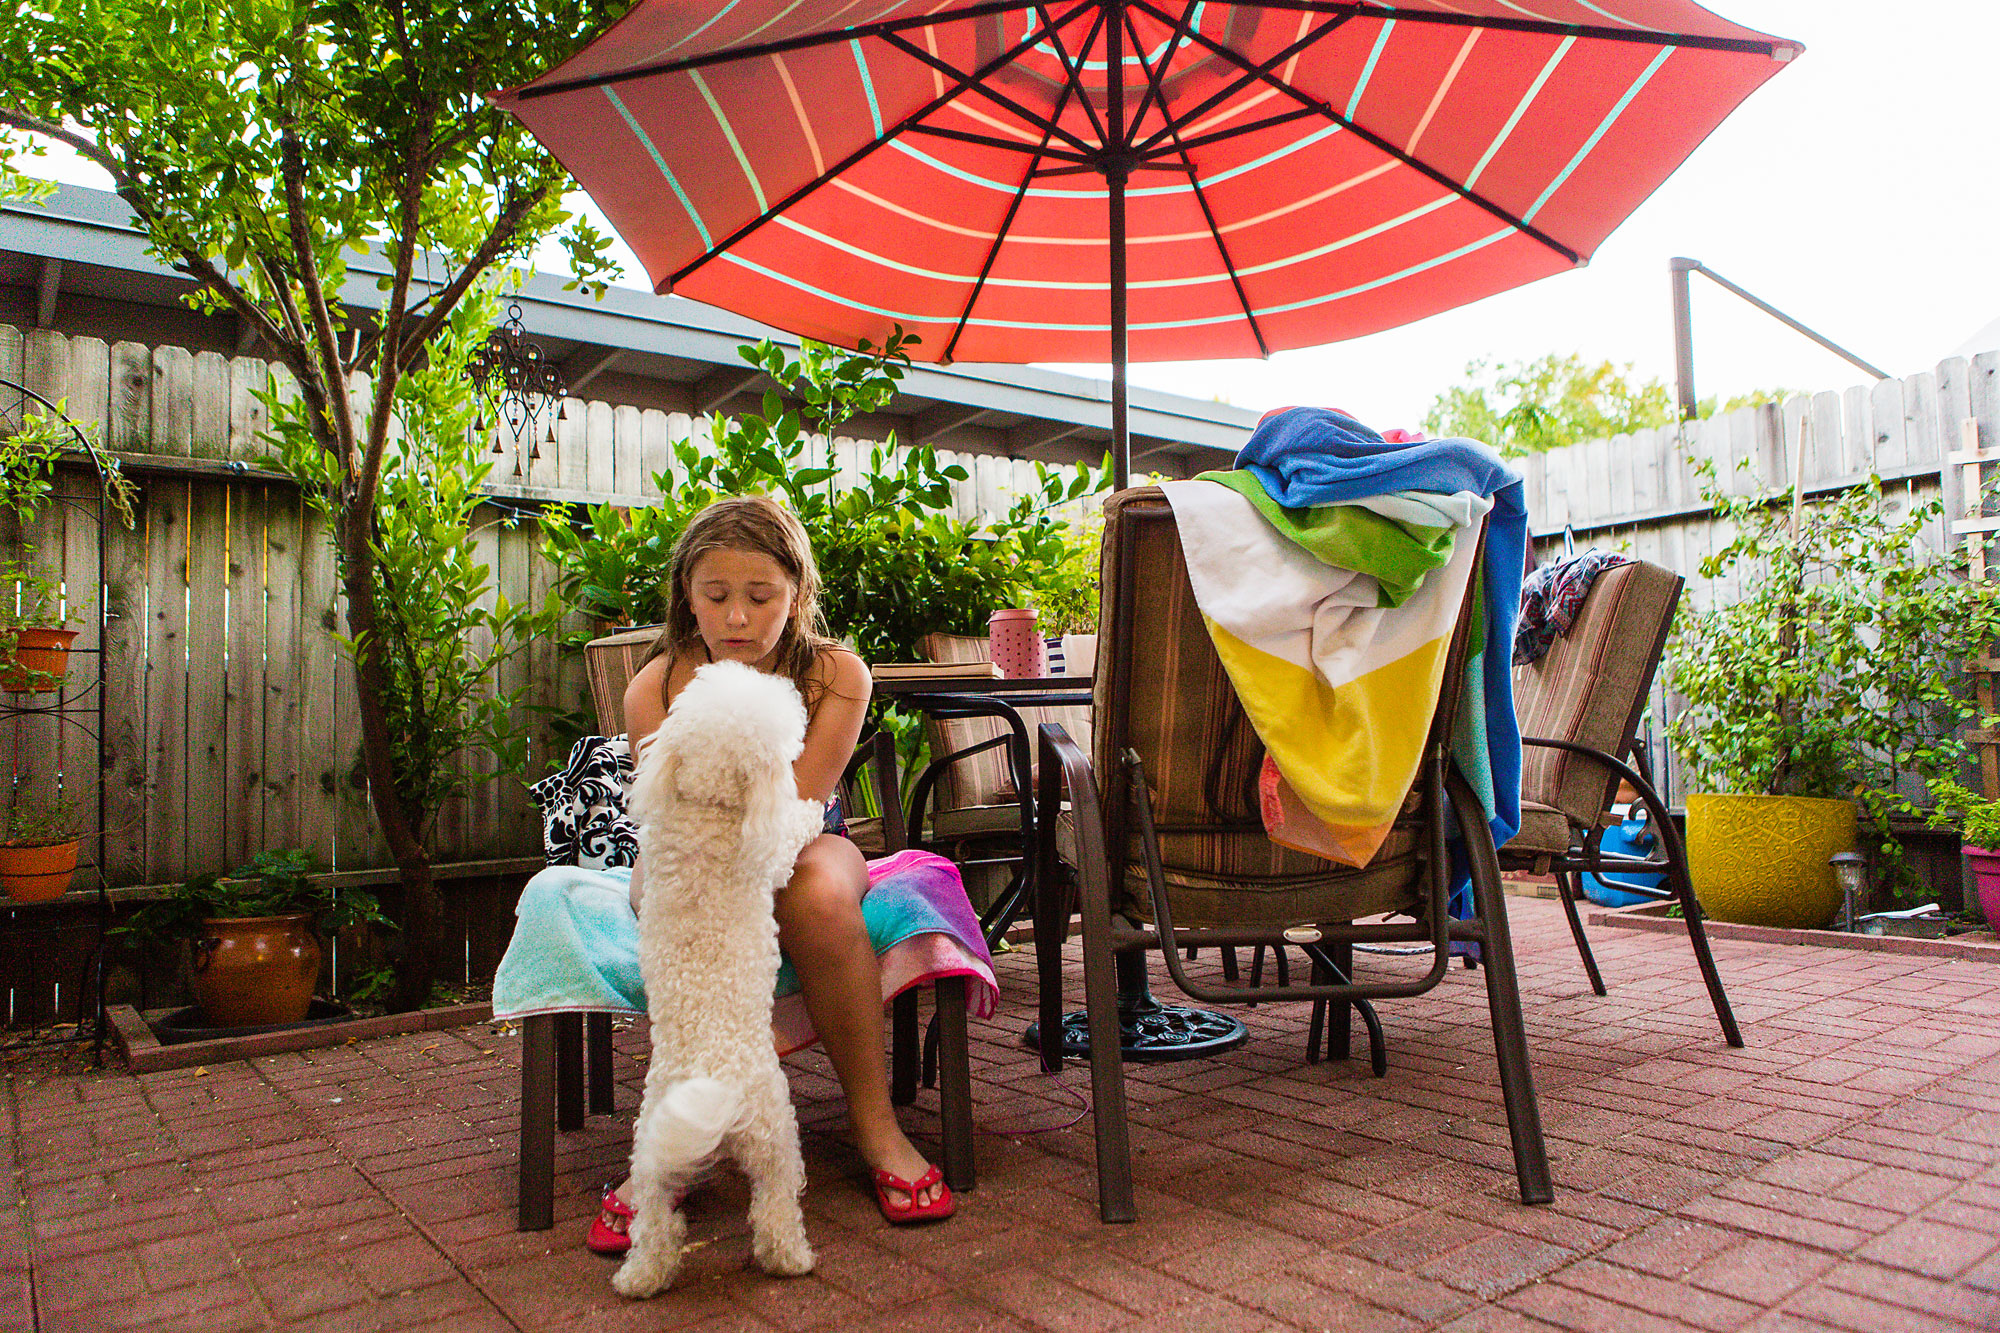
(529, 392)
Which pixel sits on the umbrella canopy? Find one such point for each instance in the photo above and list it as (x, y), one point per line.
(1260, 175)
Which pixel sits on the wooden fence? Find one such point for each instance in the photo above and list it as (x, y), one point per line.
(1641, 493)
(229, 708)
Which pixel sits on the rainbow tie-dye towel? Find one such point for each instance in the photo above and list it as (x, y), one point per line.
(576, 944)
(1330, 569)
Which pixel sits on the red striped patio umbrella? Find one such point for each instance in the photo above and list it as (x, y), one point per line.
(1261, 175)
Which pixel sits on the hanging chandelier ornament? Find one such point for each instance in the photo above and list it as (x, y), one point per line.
(530, 389)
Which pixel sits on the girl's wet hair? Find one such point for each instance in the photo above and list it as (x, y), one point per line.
(762, 526)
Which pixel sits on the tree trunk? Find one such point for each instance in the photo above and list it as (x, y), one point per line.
(422, 910)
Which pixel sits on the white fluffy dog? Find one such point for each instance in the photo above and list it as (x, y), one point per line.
(720, 824)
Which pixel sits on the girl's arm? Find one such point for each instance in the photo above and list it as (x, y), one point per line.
(645, 709)
(836, 723)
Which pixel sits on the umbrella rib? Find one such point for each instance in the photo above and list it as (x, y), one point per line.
(995, 141)
(1545, 27)
(1236, 132)
(1431, 173)
(998, 61)
(1156, 88)
(1072, 81)
(802, 43)
(1207, 213)
(973, 85)
(999, 236)
(1208, 104)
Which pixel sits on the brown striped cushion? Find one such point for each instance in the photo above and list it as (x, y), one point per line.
(1591, 686)
(612, 661)
(1201, 758)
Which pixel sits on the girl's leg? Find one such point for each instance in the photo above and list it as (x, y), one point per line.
(820, 926)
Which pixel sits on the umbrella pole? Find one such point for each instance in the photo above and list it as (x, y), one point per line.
(1115, 169)
(1121, 436)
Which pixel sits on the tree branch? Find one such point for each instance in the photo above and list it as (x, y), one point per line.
(387, 368)
(340, 428)
(496, 243)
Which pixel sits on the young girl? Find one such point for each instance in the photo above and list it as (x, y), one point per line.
(745, 588)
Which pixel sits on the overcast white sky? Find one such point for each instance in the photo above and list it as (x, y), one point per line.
(1859, 190)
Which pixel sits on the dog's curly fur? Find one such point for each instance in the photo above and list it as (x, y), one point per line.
(720, 825)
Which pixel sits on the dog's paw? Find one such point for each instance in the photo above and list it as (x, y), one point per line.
(641, 1276)
(789, 1256)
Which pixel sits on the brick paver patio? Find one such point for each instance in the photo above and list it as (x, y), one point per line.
(1842, 1173)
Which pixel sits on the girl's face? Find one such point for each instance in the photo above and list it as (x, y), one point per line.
(742, 601)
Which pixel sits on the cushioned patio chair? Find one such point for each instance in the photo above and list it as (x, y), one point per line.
(555, 1054)
(1164, 851)
(1579, 706)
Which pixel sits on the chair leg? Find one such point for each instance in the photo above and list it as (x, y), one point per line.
(1107, 1068)
(1229, 972)
(535, 1204)
(1340, 1020)
(1503, 997)
(1698, 937)
(597, 1028)
(1051, 927)
(1256, 973)
(569, 1072)
(1563, 886)
(903, 1048)
(955, 1084)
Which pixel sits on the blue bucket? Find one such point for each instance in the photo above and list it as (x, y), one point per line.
(1631, 836)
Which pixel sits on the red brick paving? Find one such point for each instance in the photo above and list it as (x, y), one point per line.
(1841, 1175)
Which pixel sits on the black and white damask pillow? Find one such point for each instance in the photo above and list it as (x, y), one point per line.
(583, 807)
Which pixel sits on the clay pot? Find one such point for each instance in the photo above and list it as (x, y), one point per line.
(1985, 863)
(37, 874)
(254, 971)
(35, 661)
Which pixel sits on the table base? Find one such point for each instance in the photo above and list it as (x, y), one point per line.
(1152, 1033)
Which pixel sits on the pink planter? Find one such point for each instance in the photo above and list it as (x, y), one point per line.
(1015, 644)
(1985, 863)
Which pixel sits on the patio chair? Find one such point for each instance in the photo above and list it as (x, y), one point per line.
(1165, 854)
(558, 1064)
(1579, 706)
(965, 805)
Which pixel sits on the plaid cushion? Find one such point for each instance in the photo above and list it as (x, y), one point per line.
(1201, 759)
(1591, 686)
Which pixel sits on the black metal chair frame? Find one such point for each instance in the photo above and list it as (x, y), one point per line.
(1586, 854)
(1109, 939)
(562, 1055)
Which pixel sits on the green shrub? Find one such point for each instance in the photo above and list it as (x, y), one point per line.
(895, 563)
(1838, 671)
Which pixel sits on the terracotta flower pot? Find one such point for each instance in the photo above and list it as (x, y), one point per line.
(256, 970)
(37, 874)
(1766, 860)
(34, 661)
(1985, 864)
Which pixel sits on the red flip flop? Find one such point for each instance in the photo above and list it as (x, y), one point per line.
(937, 1210)
(602, 1239)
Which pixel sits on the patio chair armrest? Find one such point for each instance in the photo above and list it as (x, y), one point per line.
(880, 749)
(920, 797)
(1649, 796)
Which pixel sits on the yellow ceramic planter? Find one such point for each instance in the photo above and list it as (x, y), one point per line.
(1764, 860)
